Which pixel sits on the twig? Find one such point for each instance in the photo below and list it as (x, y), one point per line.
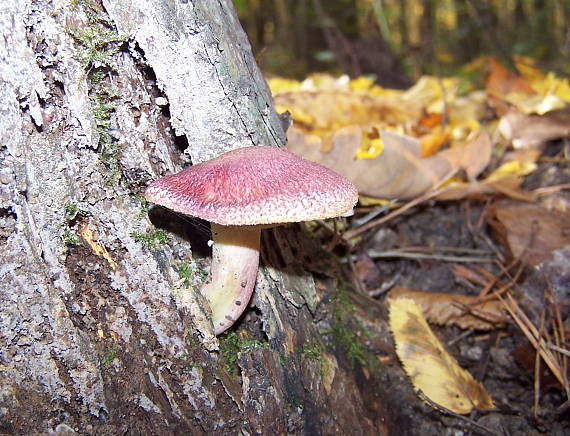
(459, 337)
(427, 196)
(444, 258)
(386, 286)
(444, 248)
(476, 231)
(372, 214)
(548, 190)
(560, 335)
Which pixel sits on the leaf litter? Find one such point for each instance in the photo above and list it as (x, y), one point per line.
(444, 166)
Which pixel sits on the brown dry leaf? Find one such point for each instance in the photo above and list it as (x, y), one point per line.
(509, 186)
(366, 271)
(451, 309)
(399, 172)
(531, 232)
(430, 367)
(505, 180)
(472, 158)
(501, 82)
(534, 130)
(430, 120)
(87, 234)
(431, 142)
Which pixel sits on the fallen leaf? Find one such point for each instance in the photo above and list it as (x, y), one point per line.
(429, 92)
(433, 141)
(473, 157)
(371, 145)
(535, 104)
(508, 186)
(514, 167)
(430, 120)
(501, 82)
(553, 86)
(281, 84)
(551, 91)
(366, 271)
(505, 180)
(529, 231)
(322, 112)
(430, 367)
(524, 130)
(528, 69)
(398, 172)
(466, 312)
(99, 250)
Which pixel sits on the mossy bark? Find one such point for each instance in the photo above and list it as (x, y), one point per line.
(102, 330)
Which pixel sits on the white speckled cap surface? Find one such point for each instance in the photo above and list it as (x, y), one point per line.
(255, 185)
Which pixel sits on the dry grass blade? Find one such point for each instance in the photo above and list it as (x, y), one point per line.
(556, 366)
(559, 349)
(374, 223)
(406, 254)
(560, 337)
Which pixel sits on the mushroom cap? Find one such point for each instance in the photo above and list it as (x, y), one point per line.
(255, 185)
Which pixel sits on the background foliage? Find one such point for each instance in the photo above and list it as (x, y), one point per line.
(294, 37)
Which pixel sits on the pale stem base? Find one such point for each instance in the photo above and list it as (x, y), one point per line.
(235, 258)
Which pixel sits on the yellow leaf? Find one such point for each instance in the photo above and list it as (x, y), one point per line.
(99, 250)
(460, 129)
(324, 81)
(526, 66)
(444, 56)
(535, 104)
(429, 92)
(323, 112)
(361, 83)
(553, 85)
(371, 201)
(513, 167)
(430, 367)
(280, 84)
(371, 145)
(433, 141)
(552, 93)
(370, 149)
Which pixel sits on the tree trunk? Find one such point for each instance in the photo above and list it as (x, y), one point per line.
(102, 327)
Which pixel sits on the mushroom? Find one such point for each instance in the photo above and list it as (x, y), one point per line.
(240, 192)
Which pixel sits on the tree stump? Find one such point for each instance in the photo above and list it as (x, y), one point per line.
(102, 326)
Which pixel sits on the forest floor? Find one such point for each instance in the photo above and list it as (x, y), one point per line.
(502, 357)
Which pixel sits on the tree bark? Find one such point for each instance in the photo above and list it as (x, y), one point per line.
(102, 327)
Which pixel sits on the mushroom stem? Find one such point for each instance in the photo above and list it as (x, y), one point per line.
(235, 258)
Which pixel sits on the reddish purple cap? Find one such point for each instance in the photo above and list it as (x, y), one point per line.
(255, 185)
